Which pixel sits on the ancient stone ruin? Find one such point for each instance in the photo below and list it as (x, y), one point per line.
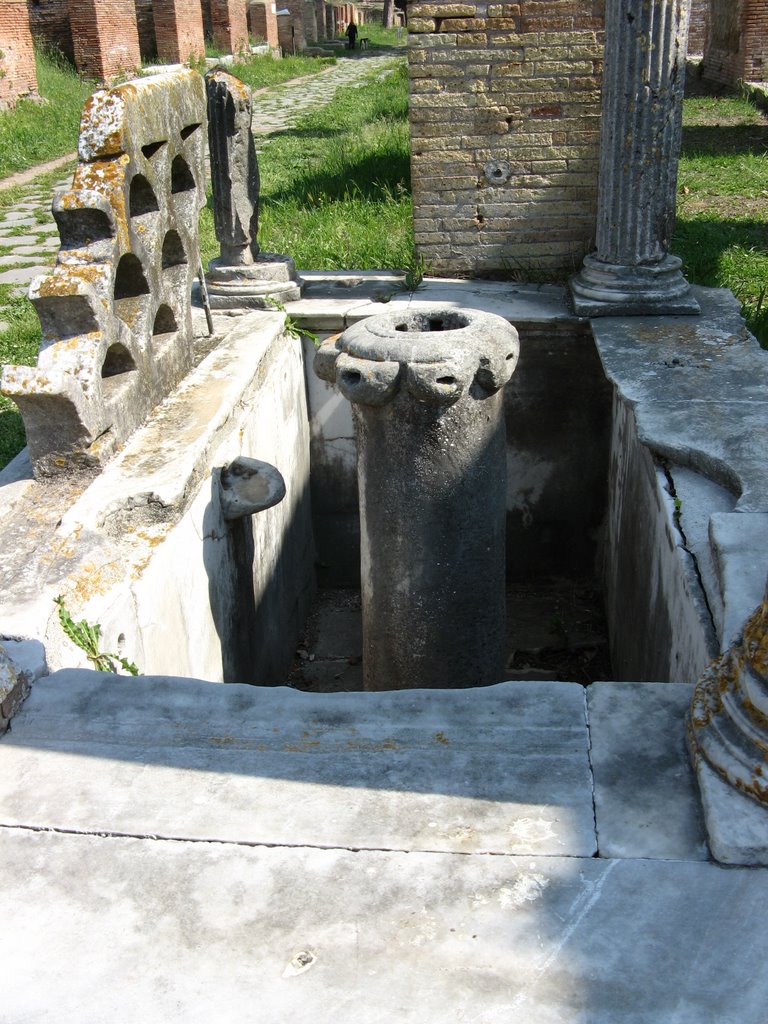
(116, 309)
(243, 276)
(426, 390)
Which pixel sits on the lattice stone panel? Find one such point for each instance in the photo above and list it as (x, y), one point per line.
(116, 310)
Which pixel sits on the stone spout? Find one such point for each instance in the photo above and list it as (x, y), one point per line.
(425, 389)
(247, 486)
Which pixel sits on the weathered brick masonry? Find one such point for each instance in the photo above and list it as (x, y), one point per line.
(18, 76)
(178, 30)
(698, 26)
(737, 47)
(505, 119)
(105, 37)
(49, 21)
(229, 25)
(262, 19)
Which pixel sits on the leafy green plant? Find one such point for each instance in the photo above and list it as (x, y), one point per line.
(292, 329)
(414, 272)
(88, 639)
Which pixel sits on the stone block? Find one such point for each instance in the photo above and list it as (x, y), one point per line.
(646, 803)
(115, 312)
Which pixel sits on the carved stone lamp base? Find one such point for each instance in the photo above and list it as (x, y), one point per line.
(269, 280)
(611, 289)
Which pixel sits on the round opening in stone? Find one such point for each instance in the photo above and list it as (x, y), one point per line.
(431, 322)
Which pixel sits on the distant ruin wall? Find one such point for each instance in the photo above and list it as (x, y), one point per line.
(49, 21)
(229, 25)
(505, 116)
(105, 36)
(737, 48)
(262, 18)
(18, 76)
(698, 26)
(178, 30)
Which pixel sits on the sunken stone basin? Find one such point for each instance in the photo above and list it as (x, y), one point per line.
(426, 392)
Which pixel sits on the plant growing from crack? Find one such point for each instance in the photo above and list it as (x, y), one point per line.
(88, 638)
(292, 329)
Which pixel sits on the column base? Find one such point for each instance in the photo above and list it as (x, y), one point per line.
(613, 289)
(270, 277)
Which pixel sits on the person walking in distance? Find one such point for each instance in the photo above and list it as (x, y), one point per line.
(351, 34)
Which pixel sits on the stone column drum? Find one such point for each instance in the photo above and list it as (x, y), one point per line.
(425, 388)
(631, 271)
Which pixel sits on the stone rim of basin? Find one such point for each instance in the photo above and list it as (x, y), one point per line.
(437, 353)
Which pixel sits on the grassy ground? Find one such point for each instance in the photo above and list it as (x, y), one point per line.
(722, 218)
(34, 132)
(335, 190)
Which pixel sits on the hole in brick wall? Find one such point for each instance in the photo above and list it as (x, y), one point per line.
(190, 129)
(141, 198)
(165, 321)
(152, 147)
(173, 251)
(182, 179)
(117, 360)
(83, 227)
(129, 278)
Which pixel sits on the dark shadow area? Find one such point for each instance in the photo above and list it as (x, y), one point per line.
(258, 613)
(367, 178)
(714, 140)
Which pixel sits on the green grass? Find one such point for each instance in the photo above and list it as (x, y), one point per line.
(722, 213)
(18, 344)
(34, 132)
(335, 190)
(264, 71)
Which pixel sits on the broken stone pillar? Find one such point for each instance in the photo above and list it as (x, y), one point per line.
(728, 736)
(242, 276)
(425, 389)
(631, 271)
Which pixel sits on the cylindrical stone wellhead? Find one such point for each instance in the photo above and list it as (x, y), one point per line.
(425, 388)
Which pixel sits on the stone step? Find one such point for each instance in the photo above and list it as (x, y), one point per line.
(502, 769)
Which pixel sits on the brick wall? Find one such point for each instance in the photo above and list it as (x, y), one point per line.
(49, 21)
(737, 47)
(262, 21)
(229, 25)
(105, 37)
(18, 76)
(310, 21)
(145, 23)
(505, 126)
(756, 41)
(295, 21)
(178, 29)
(699, 26)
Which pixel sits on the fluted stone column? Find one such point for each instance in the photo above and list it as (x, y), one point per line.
(631, 271)
(728, 736)
(242, 276)
(425, 389)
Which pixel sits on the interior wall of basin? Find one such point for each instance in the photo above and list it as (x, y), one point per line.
(557, 413)
(659, 624)
(175, 588)
(222, 600)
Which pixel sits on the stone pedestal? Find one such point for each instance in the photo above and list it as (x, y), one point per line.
(270, 279)
(728, 735)
(631, 271)
(425, 388)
